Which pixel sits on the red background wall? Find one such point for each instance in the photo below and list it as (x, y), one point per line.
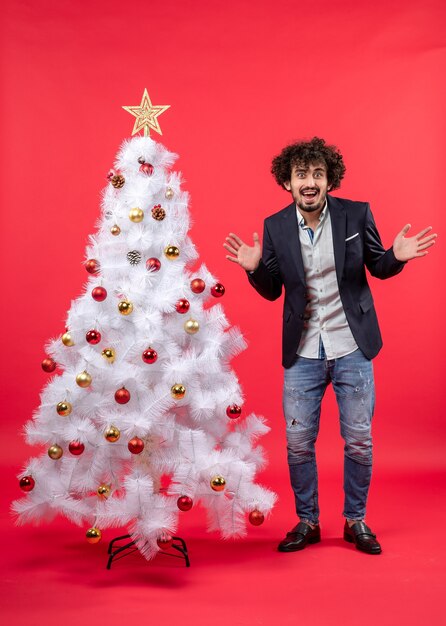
(242, 79)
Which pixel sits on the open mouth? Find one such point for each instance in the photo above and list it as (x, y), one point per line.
(310, 195)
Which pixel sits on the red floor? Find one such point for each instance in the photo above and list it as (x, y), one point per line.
(51, 576)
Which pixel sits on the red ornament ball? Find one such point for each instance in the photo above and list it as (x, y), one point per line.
(136, 445)
(146, 168)
(184, 503)
(49, 365)
(164, 542)
(93, 336)
(92, 266)
(256, 518)
(149, 356)
(218, 290)
(182, 306)
(27, 483)
(110, 174)
(76, 448)
(197, 285)
(153, 264)
(122, 396)
(233, 411)
(99, 294)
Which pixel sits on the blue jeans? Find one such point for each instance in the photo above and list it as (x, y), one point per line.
(304, 387)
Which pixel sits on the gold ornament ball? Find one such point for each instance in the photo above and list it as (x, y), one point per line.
(93, 535)
(66, 339)
(64, 408)
(178, 391)
(218, 483)
(191, 327)
(125, 307)
(115, 230)
(112, 434)
(171, 252)
(169, 193)
(104, 491)
(136, 215)
(109, 355)
(55, 452)
(84, 379)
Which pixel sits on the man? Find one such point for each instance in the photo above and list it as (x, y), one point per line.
(317, 248)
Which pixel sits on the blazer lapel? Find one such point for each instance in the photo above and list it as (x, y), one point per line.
(339, 229)
(290, 229)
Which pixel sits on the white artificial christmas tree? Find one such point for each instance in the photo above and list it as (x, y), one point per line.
(146, 416)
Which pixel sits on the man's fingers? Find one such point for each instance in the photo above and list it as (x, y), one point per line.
(426, 245)
(236, 239)
(232, 258)
(255, 236)
(406, 229)
(423, 232)
(232, 242)
(426, 239)
(230, 248)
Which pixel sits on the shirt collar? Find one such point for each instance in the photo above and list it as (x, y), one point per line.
(322, 216)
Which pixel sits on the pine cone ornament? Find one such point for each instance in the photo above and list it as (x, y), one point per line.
(134, 257)
(158, 213)
(118, 181)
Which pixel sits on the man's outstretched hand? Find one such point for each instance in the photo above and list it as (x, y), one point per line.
(246, 256)
(407, 248)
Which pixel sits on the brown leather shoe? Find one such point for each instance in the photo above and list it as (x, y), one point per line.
(363, 538)
(300, 537)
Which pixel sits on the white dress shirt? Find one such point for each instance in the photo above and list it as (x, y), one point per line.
(325, 321)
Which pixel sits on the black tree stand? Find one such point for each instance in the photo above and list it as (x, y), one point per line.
(120, 551)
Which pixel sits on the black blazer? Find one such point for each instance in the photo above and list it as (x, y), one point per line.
(282, 264)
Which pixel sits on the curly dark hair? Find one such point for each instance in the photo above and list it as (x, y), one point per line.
(306, 152)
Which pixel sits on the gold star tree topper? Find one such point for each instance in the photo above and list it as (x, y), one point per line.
(146, 115)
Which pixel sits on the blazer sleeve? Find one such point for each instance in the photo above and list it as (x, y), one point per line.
(266, 279)
(381, 263)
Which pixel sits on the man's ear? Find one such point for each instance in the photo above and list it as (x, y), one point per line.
(287, 185)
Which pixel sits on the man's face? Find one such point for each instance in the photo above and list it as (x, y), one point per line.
(309, 186)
